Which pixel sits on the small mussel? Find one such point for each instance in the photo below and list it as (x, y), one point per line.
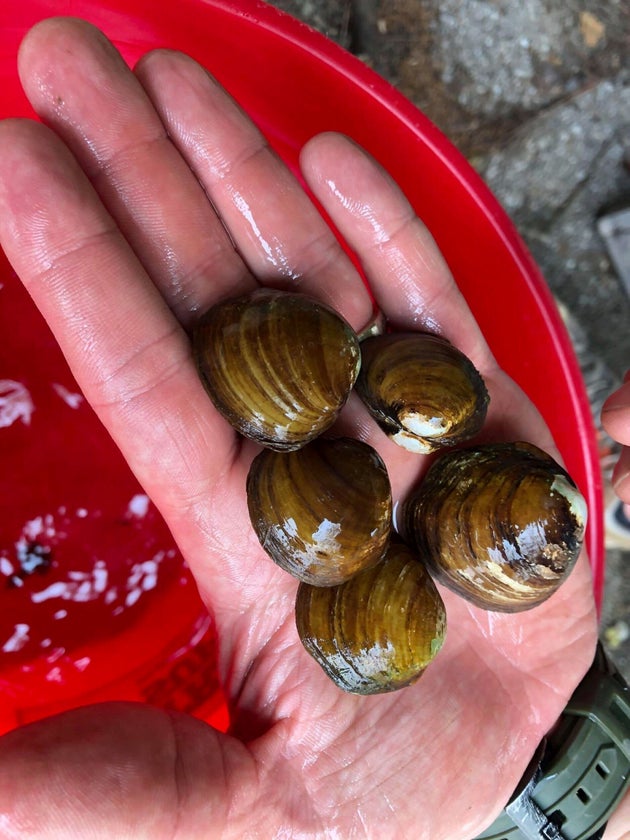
(421, 390)
(323, 512)
(279, 366)
(378, 631)
(502, 524)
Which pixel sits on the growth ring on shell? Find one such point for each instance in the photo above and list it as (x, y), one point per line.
(502, 524)
(278, 365)
(378, 631)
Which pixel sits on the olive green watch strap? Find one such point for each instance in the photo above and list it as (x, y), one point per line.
(580, 771)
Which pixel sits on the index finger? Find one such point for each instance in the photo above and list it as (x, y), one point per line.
(406, 271)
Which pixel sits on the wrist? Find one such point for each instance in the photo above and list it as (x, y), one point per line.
(581, 771)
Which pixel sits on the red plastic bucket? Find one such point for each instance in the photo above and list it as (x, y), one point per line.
(87, 566)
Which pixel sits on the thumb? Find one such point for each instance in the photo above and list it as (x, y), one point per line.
(119, 770)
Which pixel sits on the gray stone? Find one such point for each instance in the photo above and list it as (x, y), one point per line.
(492, 61)
(330, 17)
(560, 170)
(505, 56)
(477, 69)
(552, 157)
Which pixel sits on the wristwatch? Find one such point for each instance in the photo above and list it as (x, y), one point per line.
(580, 771)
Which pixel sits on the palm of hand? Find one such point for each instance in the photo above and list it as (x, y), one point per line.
(436, 760)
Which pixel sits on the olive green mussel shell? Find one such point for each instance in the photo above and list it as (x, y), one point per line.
(323, 512)
(502, 525)
(278, 366)
(378, 631)
(422, 391)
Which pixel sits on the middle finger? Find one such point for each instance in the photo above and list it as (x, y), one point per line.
(277, 230)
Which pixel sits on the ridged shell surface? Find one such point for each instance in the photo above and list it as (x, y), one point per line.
(378, 631)
(279, 366)
(422, 391)
(323, 512)
(502, 525)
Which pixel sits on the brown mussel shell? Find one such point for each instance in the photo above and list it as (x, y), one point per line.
(502, 524)
(278, 366)
(422, 391)
(378, 631)
(323, 512)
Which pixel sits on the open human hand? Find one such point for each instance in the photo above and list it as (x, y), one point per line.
(149, 196)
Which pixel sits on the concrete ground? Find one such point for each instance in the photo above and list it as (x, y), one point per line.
(536, 94)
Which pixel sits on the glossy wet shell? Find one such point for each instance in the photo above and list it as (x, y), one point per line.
(422, 391)
(322, 513)
(278, 366)
(377, 632)
(501, 525)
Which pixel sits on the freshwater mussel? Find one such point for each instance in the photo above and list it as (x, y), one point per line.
(422, 391)
(279, 366)
(378, 631)
(501, 524)
(322, 512)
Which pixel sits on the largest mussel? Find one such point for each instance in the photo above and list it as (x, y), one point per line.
(278, 365)
(501, 524)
